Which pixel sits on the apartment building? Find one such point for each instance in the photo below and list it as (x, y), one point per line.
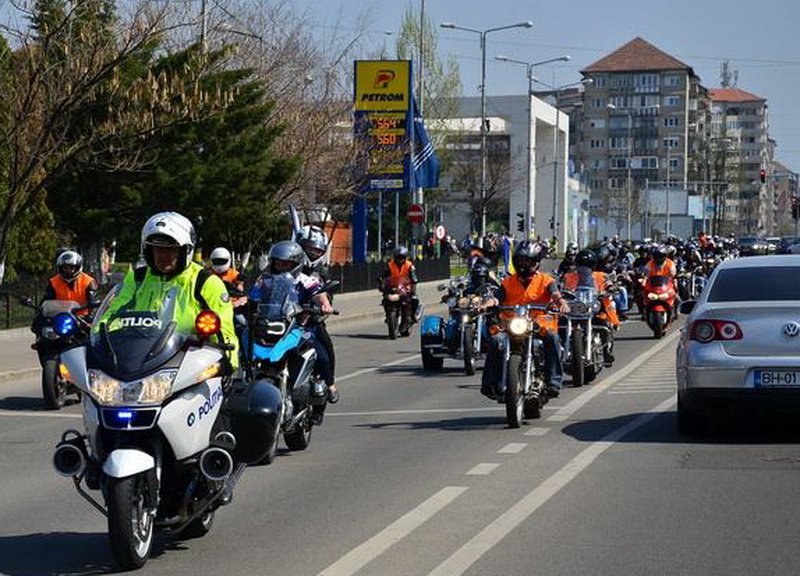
(740, 148)
(639, 120)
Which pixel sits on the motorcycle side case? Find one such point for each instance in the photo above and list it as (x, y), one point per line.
(254, 410)
(431, 329)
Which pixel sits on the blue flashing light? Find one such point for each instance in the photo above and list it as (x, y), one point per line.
(64, 324)
(125, 415)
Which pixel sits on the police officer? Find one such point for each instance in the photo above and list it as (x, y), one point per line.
(167, 243)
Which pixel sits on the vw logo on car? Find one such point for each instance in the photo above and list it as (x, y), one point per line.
(791, 329)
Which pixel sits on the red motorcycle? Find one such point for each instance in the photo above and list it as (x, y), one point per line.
(659, 303)
(399, 305)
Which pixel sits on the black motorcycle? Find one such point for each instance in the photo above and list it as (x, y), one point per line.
(401, 307)
(54, 326)
(522, 351)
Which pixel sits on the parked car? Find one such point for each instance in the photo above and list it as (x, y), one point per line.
(785, 243)
(752, 246)
(772, 244)
(741, 342)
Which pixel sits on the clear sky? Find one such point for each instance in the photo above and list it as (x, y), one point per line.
(761, 40)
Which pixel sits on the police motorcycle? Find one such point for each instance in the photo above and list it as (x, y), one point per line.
(586, 335)
(460, 336)
(522, 350)
(57, 327)
(278, 352)
(157, 441)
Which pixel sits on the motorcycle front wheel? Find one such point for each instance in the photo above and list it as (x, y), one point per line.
(54, 390)
(469, 350)
(658, 324)
(130, 524)
(391, 323)
(577, 366)
(514, 398)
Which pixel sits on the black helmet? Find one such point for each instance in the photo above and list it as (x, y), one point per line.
(69, 265)
(659, 254)
(586, 258)
(400, 253)
(605, 254)
(527, 256)
(286, 256)
(479, 274)
(571, 251)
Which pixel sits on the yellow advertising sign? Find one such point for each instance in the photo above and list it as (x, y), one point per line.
(383, 85)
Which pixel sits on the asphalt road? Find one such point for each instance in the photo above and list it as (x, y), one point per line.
(416, 473)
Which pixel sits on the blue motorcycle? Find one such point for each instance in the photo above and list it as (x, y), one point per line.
(277, 347)
(461, 335)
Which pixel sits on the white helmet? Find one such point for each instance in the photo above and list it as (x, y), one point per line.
(69, 265)
(169, 229)
(220, 260)
(315, 245)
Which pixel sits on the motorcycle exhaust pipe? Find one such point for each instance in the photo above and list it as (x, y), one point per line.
(216, 463)
(69, 459)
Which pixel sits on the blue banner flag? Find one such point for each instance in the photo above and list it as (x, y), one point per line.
(425, 163)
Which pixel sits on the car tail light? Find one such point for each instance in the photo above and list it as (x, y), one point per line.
(705, 331)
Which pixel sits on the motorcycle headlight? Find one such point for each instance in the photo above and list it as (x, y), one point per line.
(465, 318)
(153, 389)
(518, 326)
(596, 306)
(652, 296)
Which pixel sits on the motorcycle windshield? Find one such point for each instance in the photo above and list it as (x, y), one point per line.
(276, 296)
(586, 294)
(127, 343)
(51, 308)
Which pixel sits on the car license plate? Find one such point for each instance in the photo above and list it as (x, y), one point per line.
(775, 378)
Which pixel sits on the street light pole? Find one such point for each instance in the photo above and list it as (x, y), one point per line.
(483, 33)
(556, 91)
(669, 169)
(530, 206)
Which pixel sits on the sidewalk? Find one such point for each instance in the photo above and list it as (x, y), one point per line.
(17, 360)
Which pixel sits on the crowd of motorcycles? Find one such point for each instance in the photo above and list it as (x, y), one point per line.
(586, 333)
(167, 436)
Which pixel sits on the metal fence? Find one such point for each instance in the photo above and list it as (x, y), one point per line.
(357, 276)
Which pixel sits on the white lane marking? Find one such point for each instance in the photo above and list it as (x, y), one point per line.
(512, 448)
(643, 391)
(537, 431)
(359, 556)
(487, 538)
(576, 404)
(376, 368)
(483, 469)
(328, 413)
(29, 413)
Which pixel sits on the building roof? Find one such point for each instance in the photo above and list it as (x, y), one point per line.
(732, 95)
(637, 55)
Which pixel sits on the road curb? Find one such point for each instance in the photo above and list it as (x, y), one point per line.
(16, 374)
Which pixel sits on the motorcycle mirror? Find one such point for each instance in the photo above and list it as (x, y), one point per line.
(27, 301)
(687, 307)
(441, 287)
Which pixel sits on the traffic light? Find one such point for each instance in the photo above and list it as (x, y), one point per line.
(763, 175)
(521, 221)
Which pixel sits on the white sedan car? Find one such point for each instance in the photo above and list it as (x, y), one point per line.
(741, 342)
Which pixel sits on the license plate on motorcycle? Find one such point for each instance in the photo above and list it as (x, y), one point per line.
(776, 378)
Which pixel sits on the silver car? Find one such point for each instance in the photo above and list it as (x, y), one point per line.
(741, 342)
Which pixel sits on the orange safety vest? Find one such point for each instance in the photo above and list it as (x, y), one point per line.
(609, 308)
(534, 293)
(231, 276)
(75, 290)
(401, 273)
(666, 269)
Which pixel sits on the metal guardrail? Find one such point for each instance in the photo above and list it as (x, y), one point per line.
(359, 276)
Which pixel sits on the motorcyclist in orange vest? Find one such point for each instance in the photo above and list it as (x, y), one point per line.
(400, 272)
(222, 266)
(659, 264)
(586, 275)
(527, 286)
(72, 283)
